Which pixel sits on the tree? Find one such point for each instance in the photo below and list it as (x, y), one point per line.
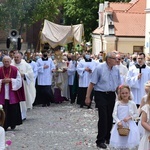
(81, 11)
(119, 0)
(15, 14)
(85, 11)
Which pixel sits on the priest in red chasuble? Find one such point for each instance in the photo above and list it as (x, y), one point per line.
(11, 93)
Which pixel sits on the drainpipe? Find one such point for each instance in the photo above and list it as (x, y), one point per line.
(116, 44)
(101, 42)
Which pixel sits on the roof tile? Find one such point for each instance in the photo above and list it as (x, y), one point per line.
(120, 6)
(138, 7)
(129, 18)
(129, 24)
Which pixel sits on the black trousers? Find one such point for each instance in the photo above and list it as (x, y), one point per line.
(82, 95)
(72, 95)
(105, 104)
(44, 95)
(13, 114)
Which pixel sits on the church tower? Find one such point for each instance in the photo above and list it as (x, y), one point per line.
(147, 27)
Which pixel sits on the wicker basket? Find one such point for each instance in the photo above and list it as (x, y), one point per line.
(123, 131)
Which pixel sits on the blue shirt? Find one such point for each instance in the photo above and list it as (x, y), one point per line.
(105, 79)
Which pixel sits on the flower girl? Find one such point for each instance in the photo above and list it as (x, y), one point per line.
(2, 131)
(145, 122)
(125, 111)
(143, 102)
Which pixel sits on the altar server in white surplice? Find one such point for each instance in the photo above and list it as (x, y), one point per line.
(84, 68)
(28, 83)
(71, 77)
(137, 76)
(44, 80)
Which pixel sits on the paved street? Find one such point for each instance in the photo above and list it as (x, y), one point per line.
(58, 127)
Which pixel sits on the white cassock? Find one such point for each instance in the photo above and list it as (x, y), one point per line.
(71, 71)
(29, 86)
(123, 70)
(137, 86)
(35, 70)
(84, 76)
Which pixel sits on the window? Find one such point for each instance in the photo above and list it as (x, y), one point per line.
(138, 49)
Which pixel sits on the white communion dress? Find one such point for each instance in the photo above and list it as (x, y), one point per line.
(131, 141)
(145, 143)
(141, 129)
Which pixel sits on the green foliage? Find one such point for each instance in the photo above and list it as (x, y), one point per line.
(81, 11)
(18, 13)
(119, 0)
(85, 11)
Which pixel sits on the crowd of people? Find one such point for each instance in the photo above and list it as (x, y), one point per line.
(116, 83)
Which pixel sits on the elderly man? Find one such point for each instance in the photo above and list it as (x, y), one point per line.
(105, 79)
(11, 93)
(28, 83)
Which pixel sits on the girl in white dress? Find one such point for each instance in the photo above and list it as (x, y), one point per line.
(143, 102)
(2, 131)
(125, 111)
(145, 122)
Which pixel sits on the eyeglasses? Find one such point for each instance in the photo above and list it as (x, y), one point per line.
(118, 59)
(141, 58)
(113, 58)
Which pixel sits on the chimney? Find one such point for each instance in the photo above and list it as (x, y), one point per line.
(106, 4)
(100, 13)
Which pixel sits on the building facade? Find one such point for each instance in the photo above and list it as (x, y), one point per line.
(122, 27)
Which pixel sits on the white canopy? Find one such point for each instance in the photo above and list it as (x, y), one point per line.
(55, 34)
